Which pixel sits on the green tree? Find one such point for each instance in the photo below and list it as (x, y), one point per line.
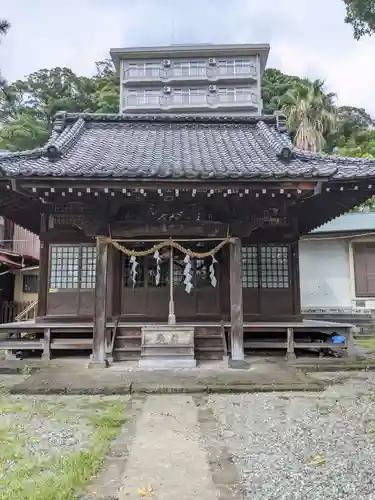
(24, 132)
(27, 107)
(106, 93)
(360, 14)
(310, 113)
(4, 27)
(275, 85)
(351, 122)
(361, 145)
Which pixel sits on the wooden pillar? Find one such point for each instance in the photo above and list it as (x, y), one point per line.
(295, 275)
(47, 344)
(236, 309)
(290, 354)
(43, 268)
(350, 350)
(99, 358)
(171, 314)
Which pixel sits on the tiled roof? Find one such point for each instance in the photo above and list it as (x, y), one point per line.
(180, 147)
(349, 223)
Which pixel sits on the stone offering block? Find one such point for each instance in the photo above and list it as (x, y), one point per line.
(168, 335)
(167, 346)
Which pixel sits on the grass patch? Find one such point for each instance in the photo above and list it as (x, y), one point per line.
(368, 343)
(25, 476)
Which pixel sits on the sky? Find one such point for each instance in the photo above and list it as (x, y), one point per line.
(307, 37)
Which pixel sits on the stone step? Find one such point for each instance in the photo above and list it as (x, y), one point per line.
(21, 344)
(157, 354)
(209, 348)
(126, 355)
(127, 349)
(128, 337)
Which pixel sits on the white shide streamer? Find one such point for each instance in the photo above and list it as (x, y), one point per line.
(158, 260)
(187, 273)
(133, 270)
(212, 272)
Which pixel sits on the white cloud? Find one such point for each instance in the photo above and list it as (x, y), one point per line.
(307, 37)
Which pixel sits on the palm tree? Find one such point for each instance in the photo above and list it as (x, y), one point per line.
(310, 113)
(4, 27)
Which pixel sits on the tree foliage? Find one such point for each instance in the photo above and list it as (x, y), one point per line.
(274, 86)
(4, 27)
(27, 107)
(311, 114)
(360, 14)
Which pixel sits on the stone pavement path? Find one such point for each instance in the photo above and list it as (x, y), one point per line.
(166, 455)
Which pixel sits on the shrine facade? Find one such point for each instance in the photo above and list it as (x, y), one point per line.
(175, 220)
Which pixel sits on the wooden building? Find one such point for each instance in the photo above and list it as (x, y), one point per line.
(173, 219)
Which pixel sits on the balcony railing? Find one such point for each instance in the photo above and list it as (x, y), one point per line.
(249, 70)
(149, 101)
(238, 98)
(135, 73)
(182, 72)
(188, 72)
(209, 101)
(17, 311)
(25, 243)
(187, 100)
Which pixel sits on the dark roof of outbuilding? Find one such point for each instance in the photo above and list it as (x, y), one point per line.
(176, 147)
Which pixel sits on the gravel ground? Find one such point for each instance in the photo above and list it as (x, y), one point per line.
(10, 380)
(300, 446)
(37, 431)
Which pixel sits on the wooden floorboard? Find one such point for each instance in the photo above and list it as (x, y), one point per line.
(248, 326)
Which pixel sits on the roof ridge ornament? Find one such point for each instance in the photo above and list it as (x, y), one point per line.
(52, 152)
(59, 121)
(285, 153)
(281, 122)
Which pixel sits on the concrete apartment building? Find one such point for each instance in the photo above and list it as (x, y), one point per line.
(199, 78)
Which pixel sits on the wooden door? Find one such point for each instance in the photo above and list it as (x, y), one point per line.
(144, 299)
(71, 280)
(203, 301)
(267, 281)
(364, 269)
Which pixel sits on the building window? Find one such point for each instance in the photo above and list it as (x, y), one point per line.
(236, 94)
(274, 266)
(88, 267)
(141, 70)
(30, 283)
(237, 67)
(265, 266)
(364, 269)
(189, 96)
(72, 267)
(140, 97)
(190, 68)
(250, 277)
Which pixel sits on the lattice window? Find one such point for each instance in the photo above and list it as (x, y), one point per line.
(64, 265)
(178, 274)
(72, 267)
(127, 275)
(274, 266)
(151, 273)
(250, 278)
(67, 220)
(30, 283)
(71, 208)
(88, 267)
